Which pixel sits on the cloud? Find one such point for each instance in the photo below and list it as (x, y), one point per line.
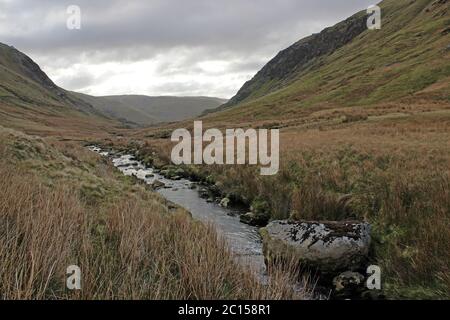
(180, 43)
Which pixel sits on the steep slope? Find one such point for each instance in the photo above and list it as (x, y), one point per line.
(145, 110)
(280, 71)
(406, 61)
(22, 80)
(29, 100)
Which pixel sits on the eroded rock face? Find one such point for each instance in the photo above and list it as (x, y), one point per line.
(330, 247)
(298, 57)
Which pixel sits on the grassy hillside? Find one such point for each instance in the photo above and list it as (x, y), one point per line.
(30, 101)
(63, 205)
(145, 110)
(369, 123)
(406, 62)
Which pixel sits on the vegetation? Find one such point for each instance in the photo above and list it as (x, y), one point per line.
(405, 62)
(364, 135)
(74, 209)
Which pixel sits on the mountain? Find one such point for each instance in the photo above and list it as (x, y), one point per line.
(30, 100)
(145, 110)
(347, 65)
(23, 81)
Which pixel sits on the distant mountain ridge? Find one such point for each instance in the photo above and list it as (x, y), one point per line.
(24, 84)
(147, 110)
(23, 81)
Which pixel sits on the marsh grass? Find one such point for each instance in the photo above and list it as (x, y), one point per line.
(391, 170)
(128, 244)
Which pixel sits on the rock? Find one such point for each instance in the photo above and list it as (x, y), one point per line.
(150, 175)
(348, 283)
(158, 184)
(180, 172)
(331, 247)
(224, 202)
(210, 200)
(192, 186)
(259, 215)
(175, 178)
(204, 193)
(298, 57)
(164, 173)
(254, 219)
(172, 206)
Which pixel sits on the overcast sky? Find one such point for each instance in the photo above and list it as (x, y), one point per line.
(163, 47)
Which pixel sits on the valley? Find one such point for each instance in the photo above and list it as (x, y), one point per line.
(363, 123)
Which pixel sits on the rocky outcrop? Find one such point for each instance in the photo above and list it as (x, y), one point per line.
(330, 247)
(299, 57)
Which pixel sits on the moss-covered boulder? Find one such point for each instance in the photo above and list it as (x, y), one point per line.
(330, 247)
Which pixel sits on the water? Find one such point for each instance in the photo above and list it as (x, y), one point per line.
(243, 240)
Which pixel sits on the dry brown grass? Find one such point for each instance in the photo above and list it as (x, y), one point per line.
(128, 245)
(391, 169)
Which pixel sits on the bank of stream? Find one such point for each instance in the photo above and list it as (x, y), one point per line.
(243, 240)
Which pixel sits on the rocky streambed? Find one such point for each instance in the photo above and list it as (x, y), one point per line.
(336, 251)
(243, 240)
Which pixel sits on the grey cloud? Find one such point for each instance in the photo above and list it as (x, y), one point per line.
(244, 32)
(78, 81)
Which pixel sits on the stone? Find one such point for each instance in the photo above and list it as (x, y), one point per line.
(180, 172)
(331, 247)
(348, 282)
(164, 173)
(158, 184)
(254, 219)
(224, 202)
(204, 193)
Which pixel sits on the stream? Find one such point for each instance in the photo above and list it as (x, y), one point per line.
(243, 240)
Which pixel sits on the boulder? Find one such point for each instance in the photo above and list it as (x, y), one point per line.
(330, 247)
